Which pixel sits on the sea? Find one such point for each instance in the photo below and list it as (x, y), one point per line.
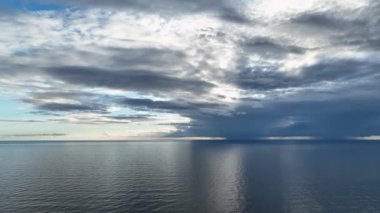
(190, 176)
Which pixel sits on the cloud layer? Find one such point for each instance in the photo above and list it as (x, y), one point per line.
(206, 68)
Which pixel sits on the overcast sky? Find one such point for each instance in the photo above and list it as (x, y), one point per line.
(237, 69)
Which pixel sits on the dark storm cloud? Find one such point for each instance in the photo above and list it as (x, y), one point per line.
(333, 70)
(137, 80)
(349, 110)
(326, 119)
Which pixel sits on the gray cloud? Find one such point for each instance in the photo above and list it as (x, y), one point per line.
(354, 27)
(325, 119)
(35, 135)
(320, 20)
(324, 71)
(364, 43)
(140, 57)
(128, 117)
(338, 98)
(268, 47)
(335, 96)
(65, 107)
(21, 121)
(181, 107)
(137, 80)
(46, 102)
(224, 9)
(73, 95)
(233, 15)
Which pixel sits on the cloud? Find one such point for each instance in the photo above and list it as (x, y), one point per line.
(34, 135)
(104, 119)
(50, 102)
(21, 121)
(128, 117)
(178, 106)
(267, 47)
(319, 20)
(137, 80)
(140, 57)
(225, 9)
(198, 68)
(64, 107)
(327, 70)
(323, 119)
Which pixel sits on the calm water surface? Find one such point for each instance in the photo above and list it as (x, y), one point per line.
(190, 177)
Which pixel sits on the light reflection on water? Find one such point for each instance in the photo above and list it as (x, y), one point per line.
(190, 177)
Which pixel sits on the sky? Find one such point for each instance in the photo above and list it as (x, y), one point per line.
(234, 69)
